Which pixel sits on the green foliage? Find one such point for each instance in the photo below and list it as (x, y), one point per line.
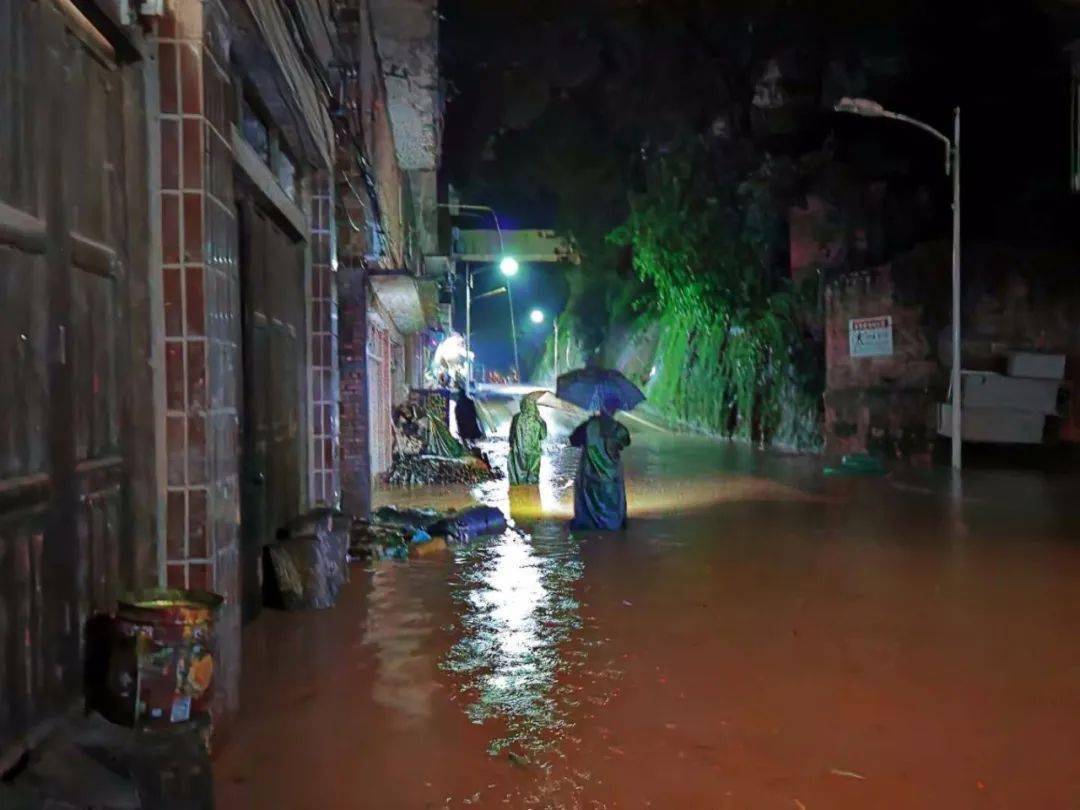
(724, 363)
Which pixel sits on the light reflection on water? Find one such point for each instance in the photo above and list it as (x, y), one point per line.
(518, 630)
(517, 610)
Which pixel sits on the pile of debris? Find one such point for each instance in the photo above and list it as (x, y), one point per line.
(419, 470)
(426, 451)
(397, 534)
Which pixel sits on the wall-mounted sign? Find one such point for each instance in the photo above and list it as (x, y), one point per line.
(870, 337)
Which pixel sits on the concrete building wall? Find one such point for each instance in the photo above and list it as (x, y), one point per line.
(407, 33)
(385, 101)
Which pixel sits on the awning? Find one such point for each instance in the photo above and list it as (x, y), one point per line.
(400, 295)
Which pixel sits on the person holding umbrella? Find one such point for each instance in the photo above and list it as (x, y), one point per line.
(599, 488)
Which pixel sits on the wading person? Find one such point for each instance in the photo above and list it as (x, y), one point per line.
(527, 433)
(468, 422)
(599, 489)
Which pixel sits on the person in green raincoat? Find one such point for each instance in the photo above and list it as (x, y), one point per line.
(527, 433)
(599, 489)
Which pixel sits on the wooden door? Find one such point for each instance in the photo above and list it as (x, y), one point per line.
(272, 277)
(67, 144)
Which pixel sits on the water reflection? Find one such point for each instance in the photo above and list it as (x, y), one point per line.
(400, 628)
(518, 608)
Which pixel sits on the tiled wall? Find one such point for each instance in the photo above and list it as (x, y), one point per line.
(201, 290)
(325, 486)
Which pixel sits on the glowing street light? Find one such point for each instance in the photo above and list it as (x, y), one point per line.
(537, 316)
(508, 266)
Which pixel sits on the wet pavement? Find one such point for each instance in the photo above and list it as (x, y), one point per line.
(760, 637)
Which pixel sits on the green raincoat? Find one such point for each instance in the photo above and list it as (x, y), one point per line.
(599, 490)
(527, 433)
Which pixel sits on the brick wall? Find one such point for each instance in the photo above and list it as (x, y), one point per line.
(355, 458)
(882, 405)
(817, 240)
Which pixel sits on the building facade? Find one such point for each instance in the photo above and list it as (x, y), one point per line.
(210, 250)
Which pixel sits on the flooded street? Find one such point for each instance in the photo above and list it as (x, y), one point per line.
(760, 637)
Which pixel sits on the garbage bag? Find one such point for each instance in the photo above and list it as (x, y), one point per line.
(411, 519)
(472, 522)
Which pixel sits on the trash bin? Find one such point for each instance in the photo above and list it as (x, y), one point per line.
(160, 666)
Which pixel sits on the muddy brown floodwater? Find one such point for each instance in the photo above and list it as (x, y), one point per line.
(760, 637)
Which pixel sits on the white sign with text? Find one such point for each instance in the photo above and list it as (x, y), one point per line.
(870, 337)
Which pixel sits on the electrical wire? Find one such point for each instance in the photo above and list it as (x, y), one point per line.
(302, 42)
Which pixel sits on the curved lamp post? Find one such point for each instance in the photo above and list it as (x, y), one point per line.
(508, 267)
(537, 316)
(872, 109)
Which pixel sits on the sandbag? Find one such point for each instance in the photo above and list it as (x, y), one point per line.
(309, 567)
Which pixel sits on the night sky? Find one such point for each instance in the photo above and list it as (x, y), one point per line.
(536, 95)
(536, 286)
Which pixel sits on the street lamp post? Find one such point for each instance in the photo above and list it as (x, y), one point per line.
(537, 316)
(872, 109)
(555, 324)
(508, 266)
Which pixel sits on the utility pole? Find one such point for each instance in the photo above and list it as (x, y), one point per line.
(513, 330)
(468, 327)
(508, 266)
(956, 376)
(556, 321)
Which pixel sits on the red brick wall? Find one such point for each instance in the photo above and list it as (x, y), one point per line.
(355, 444)
(882, 405)
(815, 244)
